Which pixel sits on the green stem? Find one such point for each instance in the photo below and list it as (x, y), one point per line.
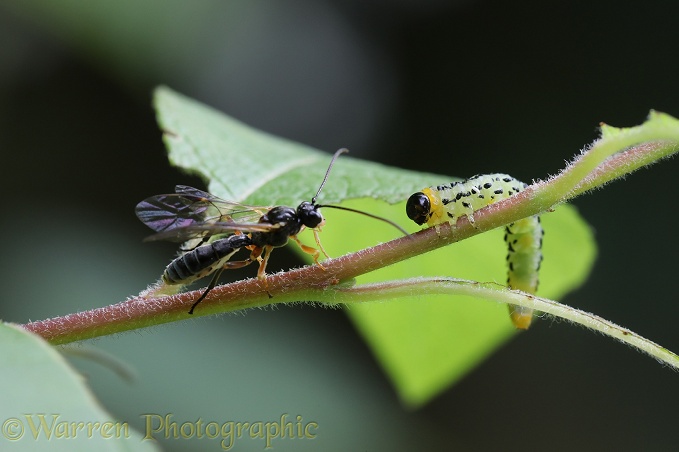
(495, 292)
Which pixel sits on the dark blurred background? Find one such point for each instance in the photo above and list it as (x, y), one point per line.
(457, 88)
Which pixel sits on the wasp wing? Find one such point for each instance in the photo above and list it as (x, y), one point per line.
(190, 207)
(197, 231)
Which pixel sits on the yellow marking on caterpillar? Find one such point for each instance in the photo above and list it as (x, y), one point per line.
(446, 203)
(437, 212)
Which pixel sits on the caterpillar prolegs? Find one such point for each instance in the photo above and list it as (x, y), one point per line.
(446, 203)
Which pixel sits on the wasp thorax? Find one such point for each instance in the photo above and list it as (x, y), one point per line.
(418, 208)
(280, 214)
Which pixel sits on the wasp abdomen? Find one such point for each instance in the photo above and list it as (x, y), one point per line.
(203, 260)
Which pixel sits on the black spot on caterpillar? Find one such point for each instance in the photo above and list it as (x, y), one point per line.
(446, 203)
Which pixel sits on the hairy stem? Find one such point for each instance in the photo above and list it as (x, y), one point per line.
(609, 158)
(494, 292)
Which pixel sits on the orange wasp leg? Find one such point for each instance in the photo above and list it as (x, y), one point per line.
(261, 272)
(318, 242)
(315, 254)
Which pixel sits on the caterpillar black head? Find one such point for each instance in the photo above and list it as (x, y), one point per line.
(418, 208)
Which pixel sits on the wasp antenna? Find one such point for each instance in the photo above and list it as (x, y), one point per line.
(349, 209)
(325, 178)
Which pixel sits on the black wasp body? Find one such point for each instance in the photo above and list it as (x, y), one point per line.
(291, 222)
(203, 260)
(213, 230)
(201, 220)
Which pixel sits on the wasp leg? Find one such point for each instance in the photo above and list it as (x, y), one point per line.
(238, 264)
(210, 286)
(257, 253)
(318, 242)
(213, 281)
(309, 250)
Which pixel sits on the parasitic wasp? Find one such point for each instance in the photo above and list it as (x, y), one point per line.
(213, 230)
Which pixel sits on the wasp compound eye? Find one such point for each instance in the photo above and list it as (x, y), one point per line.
(418, 207)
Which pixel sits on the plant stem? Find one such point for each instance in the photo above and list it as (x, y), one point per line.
(604, 161)
(495, 292)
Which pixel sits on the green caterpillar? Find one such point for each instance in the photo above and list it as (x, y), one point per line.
(438, 204)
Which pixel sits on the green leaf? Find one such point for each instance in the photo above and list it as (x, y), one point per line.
(424, 344)
(247, 165)
(656, 122)
(45, 400)
(428, 342)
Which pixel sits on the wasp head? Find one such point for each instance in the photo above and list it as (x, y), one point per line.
(309, 215)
